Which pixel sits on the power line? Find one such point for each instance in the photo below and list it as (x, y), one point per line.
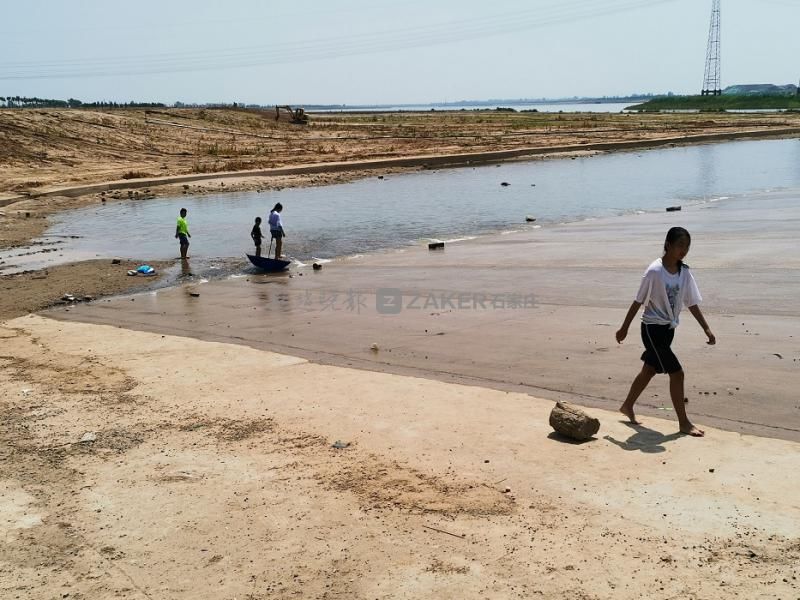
(565, 11)
(419, 37)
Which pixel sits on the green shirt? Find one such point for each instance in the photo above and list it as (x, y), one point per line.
(183, 226)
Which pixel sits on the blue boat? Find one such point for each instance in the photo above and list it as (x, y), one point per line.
(270, 265)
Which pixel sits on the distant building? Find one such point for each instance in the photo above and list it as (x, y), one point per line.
(761, 89)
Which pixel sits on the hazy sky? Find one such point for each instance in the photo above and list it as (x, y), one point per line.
(381, 51)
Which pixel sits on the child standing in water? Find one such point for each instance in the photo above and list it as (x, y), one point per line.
(276, 228)
(667, 286)
(182, 233)
(257, 235)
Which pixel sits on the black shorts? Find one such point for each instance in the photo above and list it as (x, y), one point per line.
(657, 353)
(183, 239)
(276, 234)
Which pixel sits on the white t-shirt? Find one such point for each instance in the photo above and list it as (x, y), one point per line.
(664, 294)
(275, 220)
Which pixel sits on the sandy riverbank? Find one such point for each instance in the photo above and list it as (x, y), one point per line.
(31, 291)
(65, 159)
(214, 477)
(581, 277)
(43, 150)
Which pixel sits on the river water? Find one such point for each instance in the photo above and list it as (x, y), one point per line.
(377, 214)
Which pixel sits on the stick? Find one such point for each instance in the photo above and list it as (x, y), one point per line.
(455, 535)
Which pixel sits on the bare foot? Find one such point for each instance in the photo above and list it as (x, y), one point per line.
(628, 412)
(691, 430)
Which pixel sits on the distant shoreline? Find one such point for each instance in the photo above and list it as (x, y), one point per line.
(425, 161)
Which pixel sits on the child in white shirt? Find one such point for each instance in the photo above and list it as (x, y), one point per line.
(667, 286)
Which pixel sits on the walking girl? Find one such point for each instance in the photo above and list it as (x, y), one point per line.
(667, 286)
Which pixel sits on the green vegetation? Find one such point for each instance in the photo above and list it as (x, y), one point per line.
(718, 103)
(25, 102)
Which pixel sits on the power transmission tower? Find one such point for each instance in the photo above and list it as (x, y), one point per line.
(711, 81)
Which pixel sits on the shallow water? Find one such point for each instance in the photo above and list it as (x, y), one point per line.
(375, 214)
(553, 107)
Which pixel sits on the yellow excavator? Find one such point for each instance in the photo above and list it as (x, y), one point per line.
(297, 116)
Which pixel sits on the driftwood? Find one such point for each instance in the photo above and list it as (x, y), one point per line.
(572, 422)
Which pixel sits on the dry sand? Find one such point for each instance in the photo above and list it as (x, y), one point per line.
(46, 149)
(212, 476)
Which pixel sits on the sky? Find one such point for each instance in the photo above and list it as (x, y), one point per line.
(385, 52)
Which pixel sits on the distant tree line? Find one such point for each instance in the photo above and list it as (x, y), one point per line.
(25, 102)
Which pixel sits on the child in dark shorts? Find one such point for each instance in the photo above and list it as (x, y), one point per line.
(667, 286)
(182, 234)
(257, 235)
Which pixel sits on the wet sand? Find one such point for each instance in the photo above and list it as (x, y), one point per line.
(582, 277)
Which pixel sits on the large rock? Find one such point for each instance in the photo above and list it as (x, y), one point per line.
(572, 422)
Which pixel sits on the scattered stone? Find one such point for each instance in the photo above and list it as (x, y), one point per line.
(68, 298)
(673, 208)
(194, 294)
(88, 298)
(572, 422)
(436, 246)
(530, 219)
(374, 347)
(185, 186)
(711, 470)
(316, 267)
(505, 184)
(116, 261)
(340, 445)
(88, 437)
